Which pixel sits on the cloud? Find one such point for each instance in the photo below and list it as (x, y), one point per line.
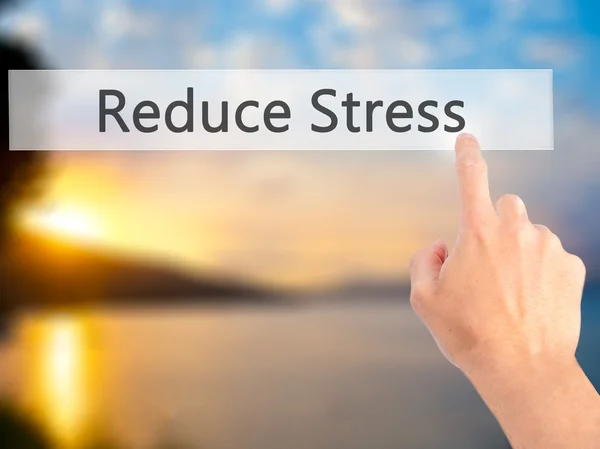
(511, 10)
(279, 6)
(118, 20)
(71, 5)
(256, 51)
(543, 10)
(554, 10)
(201, 56)
(550, 51)
(30, 27)
(392, 16)
(439, 14)
(456, 44)
(241, 51)
(379, 34)
(96, 59)
(355, 13)
(412, 51)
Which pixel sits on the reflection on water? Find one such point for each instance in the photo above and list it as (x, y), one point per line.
(323, 376)
(62, 374)
(58, 374)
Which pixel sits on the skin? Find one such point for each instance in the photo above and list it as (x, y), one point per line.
(504, 307)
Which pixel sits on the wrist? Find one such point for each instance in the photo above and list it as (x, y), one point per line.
(530, 394)
(511, 367)
(513, 370)
(534, 381)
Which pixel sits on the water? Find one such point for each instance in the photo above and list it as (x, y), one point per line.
(345, 376)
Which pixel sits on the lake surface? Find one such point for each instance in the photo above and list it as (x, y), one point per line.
(354, 375)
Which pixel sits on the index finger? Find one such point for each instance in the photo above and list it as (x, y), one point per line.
(473, 184)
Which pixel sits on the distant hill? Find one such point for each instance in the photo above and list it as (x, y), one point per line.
(41, 271)
(372, 289)
(383, 289)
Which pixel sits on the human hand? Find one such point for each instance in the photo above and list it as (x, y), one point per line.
(507, 294)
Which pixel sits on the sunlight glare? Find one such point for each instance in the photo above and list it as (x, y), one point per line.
(66, 222)
(58, 385)
(63, 376)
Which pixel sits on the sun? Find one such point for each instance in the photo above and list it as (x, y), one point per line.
(65, 222)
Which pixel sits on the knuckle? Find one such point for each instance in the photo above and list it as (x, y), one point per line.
(471, 164)
(577, 265)
(510, 202)
(419, 296)
(543, 230)
(548, 237)
(553, 240)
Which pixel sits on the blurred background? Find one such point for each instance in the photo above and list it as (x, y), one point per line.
(259, 300)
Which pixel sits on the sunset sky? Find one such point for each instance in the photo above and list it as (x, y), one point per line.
(315, 217)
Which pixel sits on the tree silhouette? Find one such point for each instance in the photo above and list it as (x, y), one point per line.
(19, 171)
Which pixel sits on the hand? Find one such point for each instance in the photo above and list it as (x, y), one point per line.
(508, 294)
(504, 306)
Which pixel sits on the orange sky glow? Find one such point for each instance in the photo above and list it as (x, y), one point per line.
(284, 218)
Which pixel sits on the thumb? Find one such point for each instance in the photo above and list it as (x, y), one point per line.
(425, 264)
